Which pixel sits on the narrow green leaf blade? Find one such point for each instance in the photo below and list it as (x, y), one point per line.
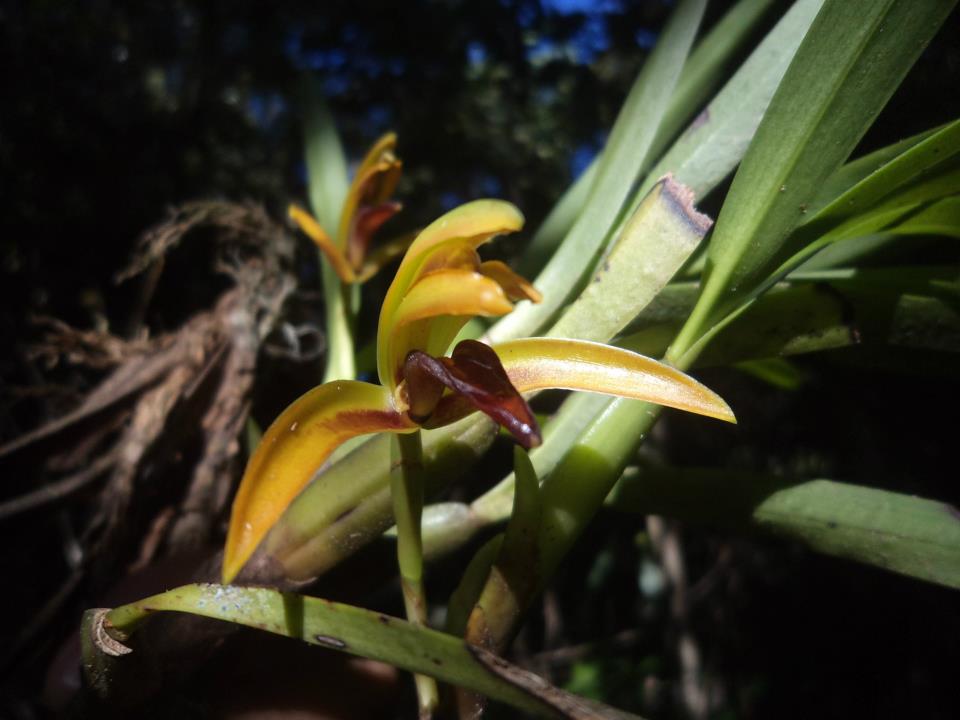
(904, 534)
(857, 53)
(706, 67)
(715, 143)
(623, 158)
(327, 177)
(368, 634)
(327, 185)
(655, 242)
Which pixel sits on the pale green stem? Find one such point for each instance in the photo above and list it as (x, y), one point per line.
(406, 489)
(340, 359)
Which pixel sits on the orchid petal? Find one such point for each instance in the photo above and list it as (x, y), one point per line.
(306, 222)
(364, 225)
(384, 145)
(515, 286)
(473, 223)
(375, 180)
(475, 375)
(417, 323)
(537, 363)
(291, 451)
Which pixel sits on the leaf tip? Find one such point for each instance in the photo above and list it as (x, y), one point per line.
(682, 198)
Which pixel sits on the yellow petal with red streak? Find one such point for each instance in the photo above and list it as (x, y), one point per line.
(379, 166)
(292, 450)
(306, 222)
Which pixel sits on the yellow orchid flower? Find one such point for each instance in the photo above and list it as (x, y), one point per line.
(440, 284)
(366, 208)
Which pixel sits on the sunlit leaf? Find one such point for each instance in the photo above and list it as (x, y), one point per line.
(330, 251)
(939, 218)
(809, 129)
(623, 159)
(366, 633)
(328, 184)
(653, 245)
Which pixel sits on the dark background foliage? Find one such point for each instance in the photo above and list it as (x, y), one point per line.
(114, 111)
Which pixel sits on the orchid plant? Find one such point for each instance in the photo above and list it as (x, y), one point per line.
(627, 264)
(440, 284)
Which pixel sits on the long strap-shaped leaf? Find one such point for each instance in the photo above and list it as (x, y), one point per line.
(905, 534)
(853, 58)
(703, 72)
(348, 629)
(622, 161)
(328, 184)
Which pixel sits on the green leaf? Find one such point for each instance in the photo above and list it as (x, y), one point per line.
(815, 312)
(911, 170)
(939, 218)
(856, 170)
(656, 241)
(706, 67)
(327, 178)
(712, 146)
(623, 158)
(848, 65)
(328, 184)
(893, 194)
(351, 630)
(909, 535)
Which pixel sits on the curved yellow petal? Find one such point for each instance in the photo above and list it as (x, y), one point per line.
(306, 222)
(424, 319)
(379, 171)
(538, 363)
(515, 286)
(474, 223)
(386, 143)
(293, 448)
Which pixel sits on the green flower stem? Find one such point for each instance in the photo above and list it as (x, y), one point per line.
(569, 422)
(406, 490)
(340, 355)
